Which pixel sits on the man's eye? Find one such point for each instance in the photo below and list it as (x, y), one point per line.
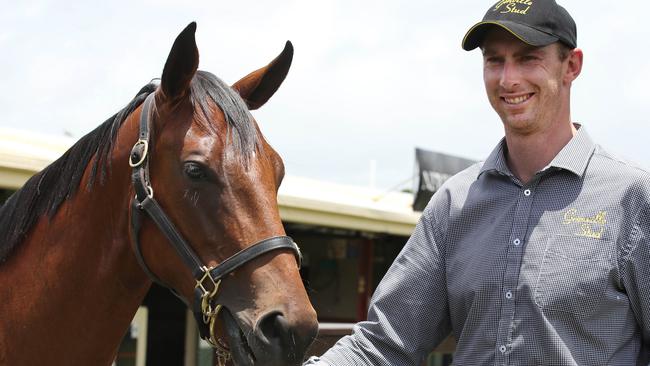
(194, 170)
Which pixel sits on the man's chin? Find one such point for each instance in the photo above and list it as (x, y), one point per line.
(519, 125)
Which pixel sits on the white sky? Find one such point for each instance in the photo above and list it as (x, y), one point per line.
(370, 79)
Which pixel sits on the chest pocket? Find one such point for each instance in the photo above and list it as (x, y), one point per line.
(574, 274)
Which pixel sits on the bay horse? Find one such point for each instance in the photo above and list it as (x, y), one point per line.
(83, 239)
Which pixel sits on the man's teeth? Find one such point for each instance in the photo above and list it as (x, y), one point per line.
(517, 100)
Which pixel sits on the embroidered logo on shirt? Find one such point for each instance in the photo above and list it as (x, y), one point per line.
(589, 226)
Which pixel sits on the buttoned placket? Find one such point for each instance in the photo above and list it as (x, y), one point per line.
(514, 256)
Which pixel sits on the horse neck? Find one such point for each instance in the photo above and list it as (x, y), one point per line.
(74, 284)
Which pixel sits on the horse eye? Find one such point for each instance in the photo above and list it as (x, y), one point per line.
(194, 170)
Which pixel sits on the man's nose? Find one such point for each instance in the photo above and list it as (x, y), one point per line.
(510, 76)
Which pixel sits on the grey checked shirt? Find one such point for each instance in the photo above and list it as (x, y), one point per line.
(555, 272)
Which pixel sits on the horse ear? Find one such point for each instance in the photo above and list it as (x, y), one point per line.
(258, 86)
(181, 64)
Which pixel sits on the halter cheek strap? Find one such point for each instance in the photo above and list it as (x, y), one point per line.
(208, 279)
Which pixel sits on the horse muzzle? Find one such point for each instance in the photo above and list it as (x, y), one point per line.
(275, 340)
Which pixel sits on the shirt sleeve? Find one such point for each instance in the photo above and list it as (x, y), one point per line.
(635, 277)
(408, 315)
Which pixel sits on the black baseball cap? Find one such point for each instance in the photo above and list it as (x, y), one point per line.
(535, 22)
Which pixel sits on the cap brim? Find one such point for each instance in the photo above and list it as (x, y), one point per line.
(475, 35)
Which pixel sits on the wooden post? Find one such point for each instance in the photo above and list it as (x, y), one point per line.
(364, 278)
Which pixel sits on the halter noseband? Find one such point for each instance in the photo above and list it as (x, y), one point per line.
(208, 279)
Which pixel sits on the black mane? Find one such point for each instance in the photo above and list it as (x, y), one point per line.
(43, 193)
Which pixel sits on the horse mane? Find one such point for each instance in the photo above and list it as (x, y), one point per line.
(44, 192)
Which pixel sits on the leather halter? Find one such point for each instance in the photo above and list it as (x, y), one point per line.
(204, 306)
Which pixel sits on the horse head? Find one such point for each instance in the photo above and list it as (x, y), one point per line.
(216, 179)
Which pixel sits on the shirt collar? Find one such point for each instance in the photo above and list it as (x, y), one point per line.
(496, 161)
(574, 156)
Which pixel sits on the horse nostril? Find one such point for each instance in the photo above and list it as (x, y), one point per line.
(281, 340)
(274, 327)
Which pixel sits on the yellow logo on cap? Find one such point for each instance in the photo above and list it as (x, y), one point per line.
(513, 6)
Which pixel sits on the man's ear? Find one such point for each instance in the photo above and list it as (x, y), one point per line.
(574, 66)
(258, 86)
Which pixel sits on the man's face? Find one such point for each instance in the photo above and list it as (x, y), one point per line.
(527, 86)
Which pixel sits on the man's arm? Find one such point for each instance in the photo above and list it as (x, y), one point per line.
(635, 276)
(408, 315)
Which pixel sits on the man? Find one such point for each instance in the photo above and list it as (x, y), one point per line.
(538, 256)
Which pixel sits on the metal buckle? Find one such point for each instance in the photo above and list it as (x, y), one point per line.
(145, 144)
(206, 275)
(208, 295)
(149, 191)
(210, 314)
(149, 194)
(223, 355)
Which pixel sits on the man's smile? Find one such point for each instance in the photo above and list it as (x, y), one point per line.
(518, 99)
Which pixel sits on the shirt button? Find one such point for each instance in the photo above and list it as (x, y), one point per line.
(502, 349)
(516, 242)
(527, 192)
(508, 295)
